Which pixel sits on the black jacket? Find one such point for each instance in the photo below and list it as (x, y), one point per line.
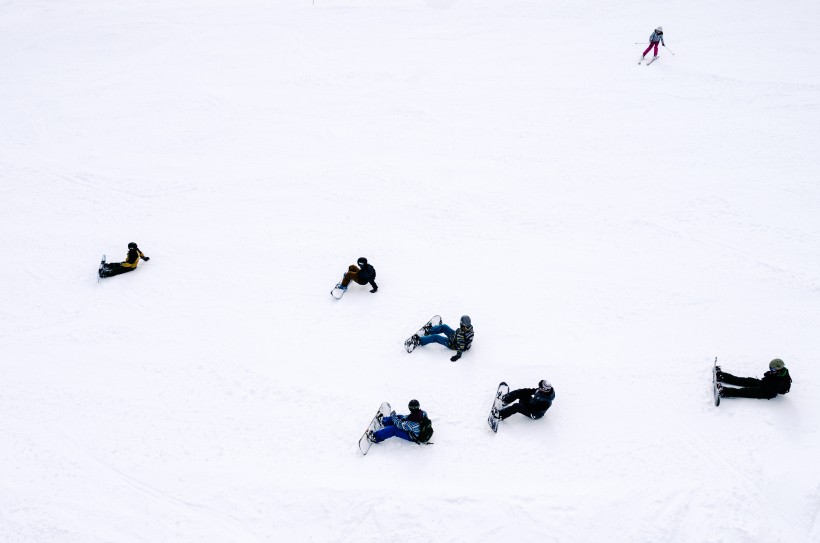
(539, 402)
(366, 273)
(776, 382)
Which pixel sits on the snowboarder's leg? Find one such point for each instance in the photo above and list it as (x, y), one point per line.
(442, 329)
(510, 410)
(513, 395)
(730, 379)
(390, 431)
(426, 340)
(747, 392)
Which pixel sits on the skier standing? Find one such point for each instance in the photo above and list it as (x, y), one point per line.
(411, 427)
(532, 402)
(109, 269)
(775, 381)
(362, 274)
(654, 38)
(459, 340)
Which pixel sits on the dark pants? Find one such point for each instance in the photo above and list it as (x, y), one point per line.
(114, 268)
(523, 405)
(752, 388)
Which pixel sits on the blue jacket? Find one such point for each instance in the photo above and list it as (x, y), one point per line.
(409, 423)
(655, 37)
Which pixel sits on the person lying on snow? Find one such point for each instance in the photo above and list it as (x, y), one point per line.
(775, 381)
(415, 427)
(530, 402)
(109, 269)
(459, 340)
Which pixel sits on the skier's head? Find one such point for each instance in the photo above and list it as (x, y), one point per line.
(776, 364)
(362, 261)
(414, 405)
(544, 385)
(132, 245)
(659, 30)
(465, 321)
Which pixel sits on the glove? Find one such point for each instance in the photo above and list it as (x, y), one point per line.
(663, 44)
(146, 259)
(454, 358)
(373, 291)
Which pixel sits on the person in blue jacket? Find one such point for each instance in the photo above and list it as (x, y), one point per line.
(654, 39)
(458, 340)
(406, 427)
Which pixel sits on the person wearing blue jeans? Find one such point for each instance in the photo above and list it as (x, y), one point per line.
(400, 425)
(457, 340)
(434, 337)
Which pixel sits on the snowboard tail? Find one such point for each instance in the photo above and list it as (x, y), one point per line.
(410, 345)
(375, 425)
(493, 420)
(715, 389)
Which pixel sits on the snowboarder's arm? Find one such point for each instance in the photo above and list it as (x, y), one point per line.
(142, 256)
(406, 425)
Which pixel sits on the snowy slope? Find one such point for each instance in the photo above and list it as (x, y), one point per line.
(608, 226)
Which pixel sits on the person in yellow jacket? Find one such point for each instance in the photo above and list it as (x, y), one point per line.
(108, 269)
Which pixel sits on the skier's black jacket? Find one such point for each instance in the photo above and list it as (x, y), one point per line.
(776, 382)
(539, 403)
(367, 273)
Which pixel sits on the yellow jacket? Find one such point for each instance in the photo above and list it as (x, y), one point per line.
(133, 258)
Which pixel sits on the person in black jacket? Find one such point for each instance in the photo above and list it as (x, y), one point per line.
(531, 402)
(775, 381)
(363, 274)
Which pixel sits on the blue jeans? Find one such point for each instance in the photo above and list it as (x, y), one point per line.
(389, 431)
(433, 337)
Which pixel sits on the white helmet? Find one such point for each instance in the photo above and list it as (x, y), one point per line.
(659, 29)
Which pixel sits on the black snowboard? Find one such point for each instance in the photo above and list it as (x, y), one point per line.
(409, 345)
(375, 424)
(493, 421)
(715, 391)
(102, 268)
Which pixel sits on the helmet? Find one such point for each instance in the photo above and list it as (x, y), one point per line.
(544, 385)
(362, 261)
(659, 30)
(776, 364)
(132, 245)
(414, 405)
(465, 321)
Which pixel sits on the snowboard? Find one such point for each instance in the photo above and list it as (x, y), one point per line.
(375, 424)
(338, 291)
(503, 388)
(435, 321)
(100, 271)
(715, 369)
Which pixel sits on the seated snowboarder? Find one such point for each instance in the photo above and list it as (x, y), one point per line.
(109, 269)
(775, 381)
(362, 274)
(531, 402)
(414, 427)
(458, 340)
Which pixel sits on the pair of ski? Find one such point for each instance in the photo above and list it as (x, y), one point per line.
(648, 62)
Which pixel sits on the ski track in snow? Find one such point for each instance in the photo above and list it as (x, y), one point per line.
(607, 228)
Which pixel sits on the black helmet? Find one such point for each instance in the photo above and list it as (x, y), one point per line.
(544, 385)
(362, 261)
(414, 405)
(132, 245)
(465, 321)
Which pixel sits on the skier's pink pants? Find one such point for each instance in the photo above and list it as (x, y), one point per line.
(651, 45)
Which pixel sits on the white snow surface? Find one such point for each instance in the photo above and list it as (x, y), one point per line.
(608, 226)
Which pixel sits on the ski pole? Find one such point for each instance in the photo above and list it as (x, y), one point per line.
(641, 42)
(668, 49)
